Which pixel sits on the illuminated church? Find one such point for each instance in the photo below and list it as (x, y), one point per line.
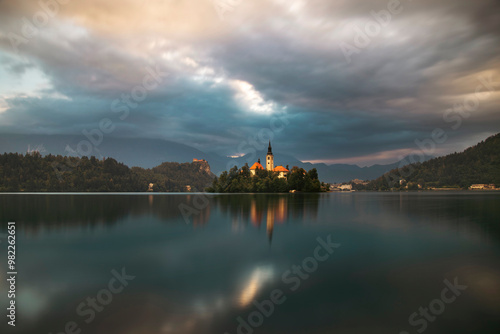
(280, 170)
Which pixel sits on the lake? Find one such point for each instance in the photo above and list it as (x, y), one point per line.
(348, 263)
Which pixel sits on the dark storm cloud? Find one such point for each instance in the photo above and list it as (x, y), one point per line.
(228, 78)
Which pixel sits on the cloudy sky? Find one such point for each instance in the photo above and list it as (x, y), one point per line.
(330, 80)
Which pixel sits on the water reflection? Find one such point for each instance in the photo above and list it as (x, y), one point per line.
(200, 277)
(269, 209)
(35, 212)
(258, 278)
(475, 215)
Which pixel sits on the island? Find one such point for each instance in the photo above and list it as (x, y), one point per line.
(257, 179)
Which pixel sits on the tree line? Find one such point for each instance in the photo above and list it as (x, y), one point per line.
(33, 172)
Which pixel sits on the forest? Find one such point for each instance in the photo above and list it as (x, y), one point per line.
(477, 164)
(33, 172)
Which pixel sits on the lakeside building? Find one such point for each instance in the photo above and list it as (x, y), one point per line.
(347, 187)
(280, 170)
(481, 186)
(341, 187)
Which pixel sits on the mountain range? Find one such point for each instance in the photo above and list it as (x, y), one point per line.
(148, 153)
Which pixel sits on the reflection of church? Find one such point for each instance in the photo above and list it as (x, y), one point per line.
(276, 212)
(280, 170)
(256, 210)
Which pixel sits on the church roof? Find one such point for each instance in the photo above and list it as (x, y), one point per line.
(256, 166)
(280, 169)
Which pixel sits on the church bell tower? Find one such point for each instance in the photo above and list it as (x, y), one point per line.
(269, 158)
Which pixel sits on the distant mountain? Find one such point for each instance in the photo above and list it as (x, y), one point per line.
(477, 164)
(148, 153)
(327, 173)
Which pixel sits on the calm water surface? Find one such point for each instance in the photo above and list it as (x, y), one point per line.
(210, 264)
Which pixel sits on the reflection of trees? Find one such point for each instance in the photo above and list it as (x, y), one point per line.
(200, 203)
(54, 211)
(474, 215)
(33, 212)
(471, 214)
(270, 209)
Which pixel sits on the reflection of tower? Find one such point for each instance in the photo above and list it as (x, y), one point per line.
(269, 158)
(270, 211)
(270, 224)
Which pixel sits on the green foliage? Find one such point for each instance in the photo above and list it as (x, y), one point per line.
(32, 172)
(241, 181)
(477, 164)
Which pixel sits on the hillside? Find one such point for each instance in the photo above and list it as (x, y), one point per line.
(32, 172)
(477, 164)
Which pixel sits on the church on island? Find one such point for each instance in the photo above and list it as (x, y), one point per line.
(280, 170)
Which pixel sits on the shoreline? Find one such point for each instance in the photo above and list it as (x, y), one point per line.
(263, 193)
